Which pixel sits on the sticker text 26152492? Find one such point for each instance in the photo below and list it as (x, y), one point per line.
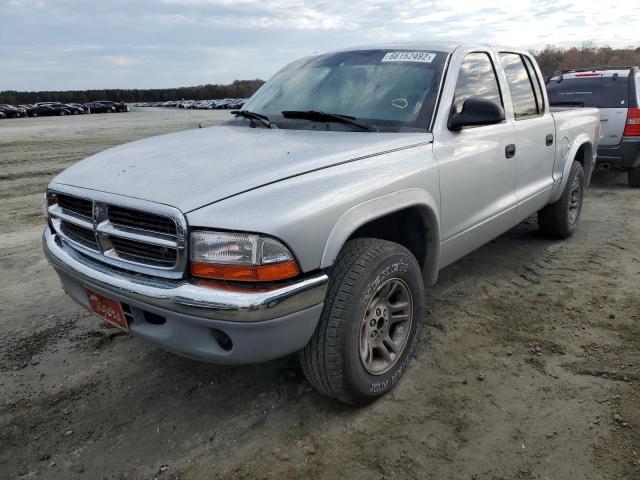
(423, 57)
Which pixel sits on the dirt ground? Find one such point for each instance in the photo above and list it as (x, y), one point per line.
(529, 367)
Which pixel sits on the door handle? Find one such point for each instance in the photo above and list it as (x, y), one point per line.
(549, 139)
(510, 150)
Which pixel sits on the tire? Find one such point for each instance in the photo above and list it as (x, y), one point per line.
(337, 361)
(634, 177)
(34, 114)
(62, 114)
(559, 219)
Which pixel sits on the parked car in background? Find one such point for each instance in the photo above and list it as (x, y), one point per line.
(224, 103)
(332, 209)
(100, 107)
(116, 106)
(70, 108)
(13, 112)
(75, 110)
(44, 110)
(81, 106)
(616, 92)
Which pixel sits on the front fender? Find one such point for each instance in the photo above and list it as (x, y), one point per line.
(365, 212)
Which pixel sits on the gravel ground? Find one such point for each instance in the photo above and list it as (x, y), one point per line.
(529, 367)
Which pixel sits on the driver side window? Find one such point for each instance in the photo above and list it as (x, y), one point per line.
(477, 78)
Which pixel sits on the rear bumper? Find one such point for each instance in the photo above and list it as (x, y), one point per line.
(262, 324)
(624, 155)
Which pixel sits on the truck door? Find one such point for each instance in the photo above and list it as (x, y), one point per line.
(535, 133)
(477, 173)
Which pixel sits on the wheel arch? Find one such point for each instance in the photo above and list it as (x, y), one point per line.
(582, 151)
(409, 217)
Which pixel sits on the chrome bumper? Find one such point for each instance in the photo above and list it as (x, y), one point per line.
(199, 298)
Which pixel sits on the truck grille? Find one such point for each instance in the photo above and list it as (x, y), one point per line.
(78, 206)
(139, 240)
(146, 221)
(144, 253)
(80, 235)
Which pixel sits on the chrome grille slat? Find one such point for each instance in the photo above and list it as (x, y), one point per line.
(151, 242)
(142, 236)
(70, 217)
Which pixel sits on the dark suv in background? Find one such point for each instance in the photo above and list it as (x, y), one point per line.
(616, 92)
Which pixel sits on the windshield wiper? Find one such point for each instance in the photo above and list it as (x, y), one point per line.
(255, 116)
(316, 116)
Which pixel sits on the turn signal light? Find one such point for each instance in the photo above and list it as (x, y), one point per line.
(246, 273)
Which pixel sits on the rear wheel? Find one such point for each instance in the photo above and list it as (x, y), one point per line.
(559, 219)
(370, 324)
(62, 113)
(634, 177)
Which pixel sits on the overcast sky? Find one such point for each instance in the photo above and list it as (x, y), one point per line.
(79, 44)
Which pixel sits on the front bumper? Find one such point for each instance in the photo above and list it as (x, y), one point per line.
(624, 155)
(262, 323)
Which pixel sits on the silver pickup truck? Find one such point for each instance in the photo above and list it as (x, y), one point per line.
(313, 220)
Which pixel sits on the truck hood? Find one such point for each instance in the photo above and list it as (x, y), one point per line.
(194, 168)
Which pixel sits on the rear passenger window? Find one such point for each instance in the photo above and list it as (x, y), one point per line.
(520, 85)
(477, 78)
(537, 85)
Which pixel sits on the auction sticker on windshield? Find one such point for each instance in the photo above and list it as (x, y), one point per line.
(423, 57)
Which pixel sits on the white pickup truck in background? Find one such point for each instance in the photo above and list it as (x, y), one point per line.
(313, 221)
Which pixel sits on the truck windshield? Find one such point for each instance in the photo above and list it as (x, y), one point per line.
(388, 89)
(600, 92)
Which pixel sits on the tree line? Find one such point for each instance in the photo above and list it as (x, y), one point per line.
(236, 89)
(551, 59)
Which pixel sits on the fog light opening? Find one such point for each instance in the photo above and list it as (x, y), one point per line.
(223, 339)
(154, 319)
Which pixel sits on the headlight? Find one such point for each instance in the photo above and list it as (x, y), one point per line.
(241, 257)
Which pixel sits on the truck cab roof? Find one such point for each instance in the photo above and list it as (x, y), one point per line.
(447, 47)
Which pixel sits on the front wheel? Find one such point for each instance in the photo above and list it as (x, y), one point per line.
(370, 324)
(559, 219)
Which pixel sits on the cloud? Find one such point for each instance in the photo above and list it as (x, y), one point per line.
(119, 60)
(59, 44)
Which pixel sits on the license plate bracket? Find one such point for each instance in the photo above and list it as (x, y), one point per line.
(108, 309)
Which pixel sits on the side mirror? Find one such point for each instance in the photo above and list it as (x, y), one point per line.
(475, 111)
